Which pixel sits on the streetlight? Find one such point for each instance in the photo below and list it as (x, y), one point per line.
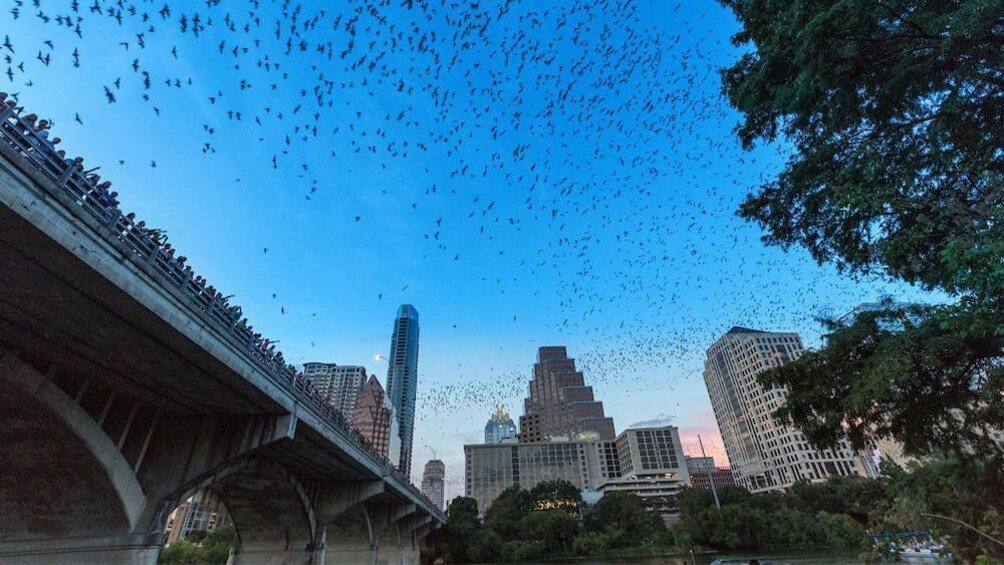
(711, 477)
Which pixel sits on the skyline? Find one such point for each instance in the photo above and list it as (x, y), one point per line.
(585, 281)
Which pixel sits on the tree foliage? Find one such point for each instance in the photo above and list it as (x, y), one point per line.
(916, 374)
(965, 490)
(462, 525)
(837, 512)
(834, 513)
(556, 530)
(203, 548)
(894, 110)
(624, 518)
(544, 523)
(810, 515)
(556, 494)
(506, 512)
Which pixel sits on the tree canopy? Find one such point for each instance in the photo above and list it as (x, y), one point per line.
(624, 514)
(556, 494)
(894, 113)
(506, 512)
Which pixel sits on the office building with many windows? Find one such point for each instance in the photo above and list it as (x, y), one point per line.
(560, 405)
(338, 385)
(644, 461)
(376, 420)
(434, 482)
(764, 454)
(565, 436)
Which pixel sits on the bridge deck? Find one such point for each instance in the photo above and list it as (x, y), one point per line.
(90, 294)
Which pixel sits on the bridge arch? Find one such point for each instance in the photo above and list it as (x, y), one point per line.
(66, 484)
(270, 508)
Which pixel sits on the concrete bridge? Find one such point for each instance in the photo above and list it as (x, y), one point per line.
(124, 390)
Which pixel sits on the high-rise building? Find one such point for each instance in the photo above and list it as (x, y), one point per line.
(560, 405)
(402, 378)
(565, 436)
(765, 455)
(434, 482)
(338, 385)
(500, 427)
(376, 421)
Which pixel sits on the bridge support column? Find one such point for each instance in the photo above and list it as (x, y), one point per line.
(345, 527)
(390, 542)
(409, 528)
(271, 511)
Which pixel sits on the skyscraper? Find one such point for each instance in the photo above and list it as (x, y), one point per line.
(376, 421)
(567, 437)
(500, 427)
(765, 455)
(338, 385)
(402, 378)
(560, 404)
(434, 481)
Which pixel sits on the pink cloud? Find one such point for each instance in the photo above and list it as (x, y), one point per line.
(707, 428)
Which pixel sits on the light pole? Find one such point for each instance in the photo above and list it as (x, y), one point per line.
(711, 477)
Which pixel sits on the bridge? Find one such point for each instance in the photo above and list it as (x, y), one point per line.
(129, 385)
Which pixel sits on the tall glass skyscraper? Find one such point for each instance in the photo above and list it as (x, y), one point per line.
(402, 378)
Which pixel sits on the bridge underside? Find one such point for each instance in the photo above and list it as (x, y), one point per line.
(119, 401)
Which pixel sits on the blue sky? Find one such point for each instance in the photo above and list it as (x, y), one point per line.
(583, 197)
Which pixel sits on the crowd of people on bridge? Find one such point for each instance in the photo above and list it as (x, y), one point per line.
(30, 137)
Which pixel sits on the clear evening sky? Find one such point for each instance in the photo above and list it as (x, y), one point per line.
(516, 201)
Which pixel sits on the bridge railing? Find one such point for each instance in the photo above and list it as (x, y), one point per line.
(150, 246)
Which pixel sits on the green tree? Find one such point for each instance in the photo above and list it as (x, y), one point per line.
(521, 550)
(462, 526)
(506, 512)
(874, 372)
(624, 514)
(591, 543)
(556, 530)
(789, 527)
(557, 494)
(841, 531)
(181, 553)
(217, 544)
(858, 497)
(484, 547)
(964, 490)
(462, 509)
(212, 548)
(893, 111)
